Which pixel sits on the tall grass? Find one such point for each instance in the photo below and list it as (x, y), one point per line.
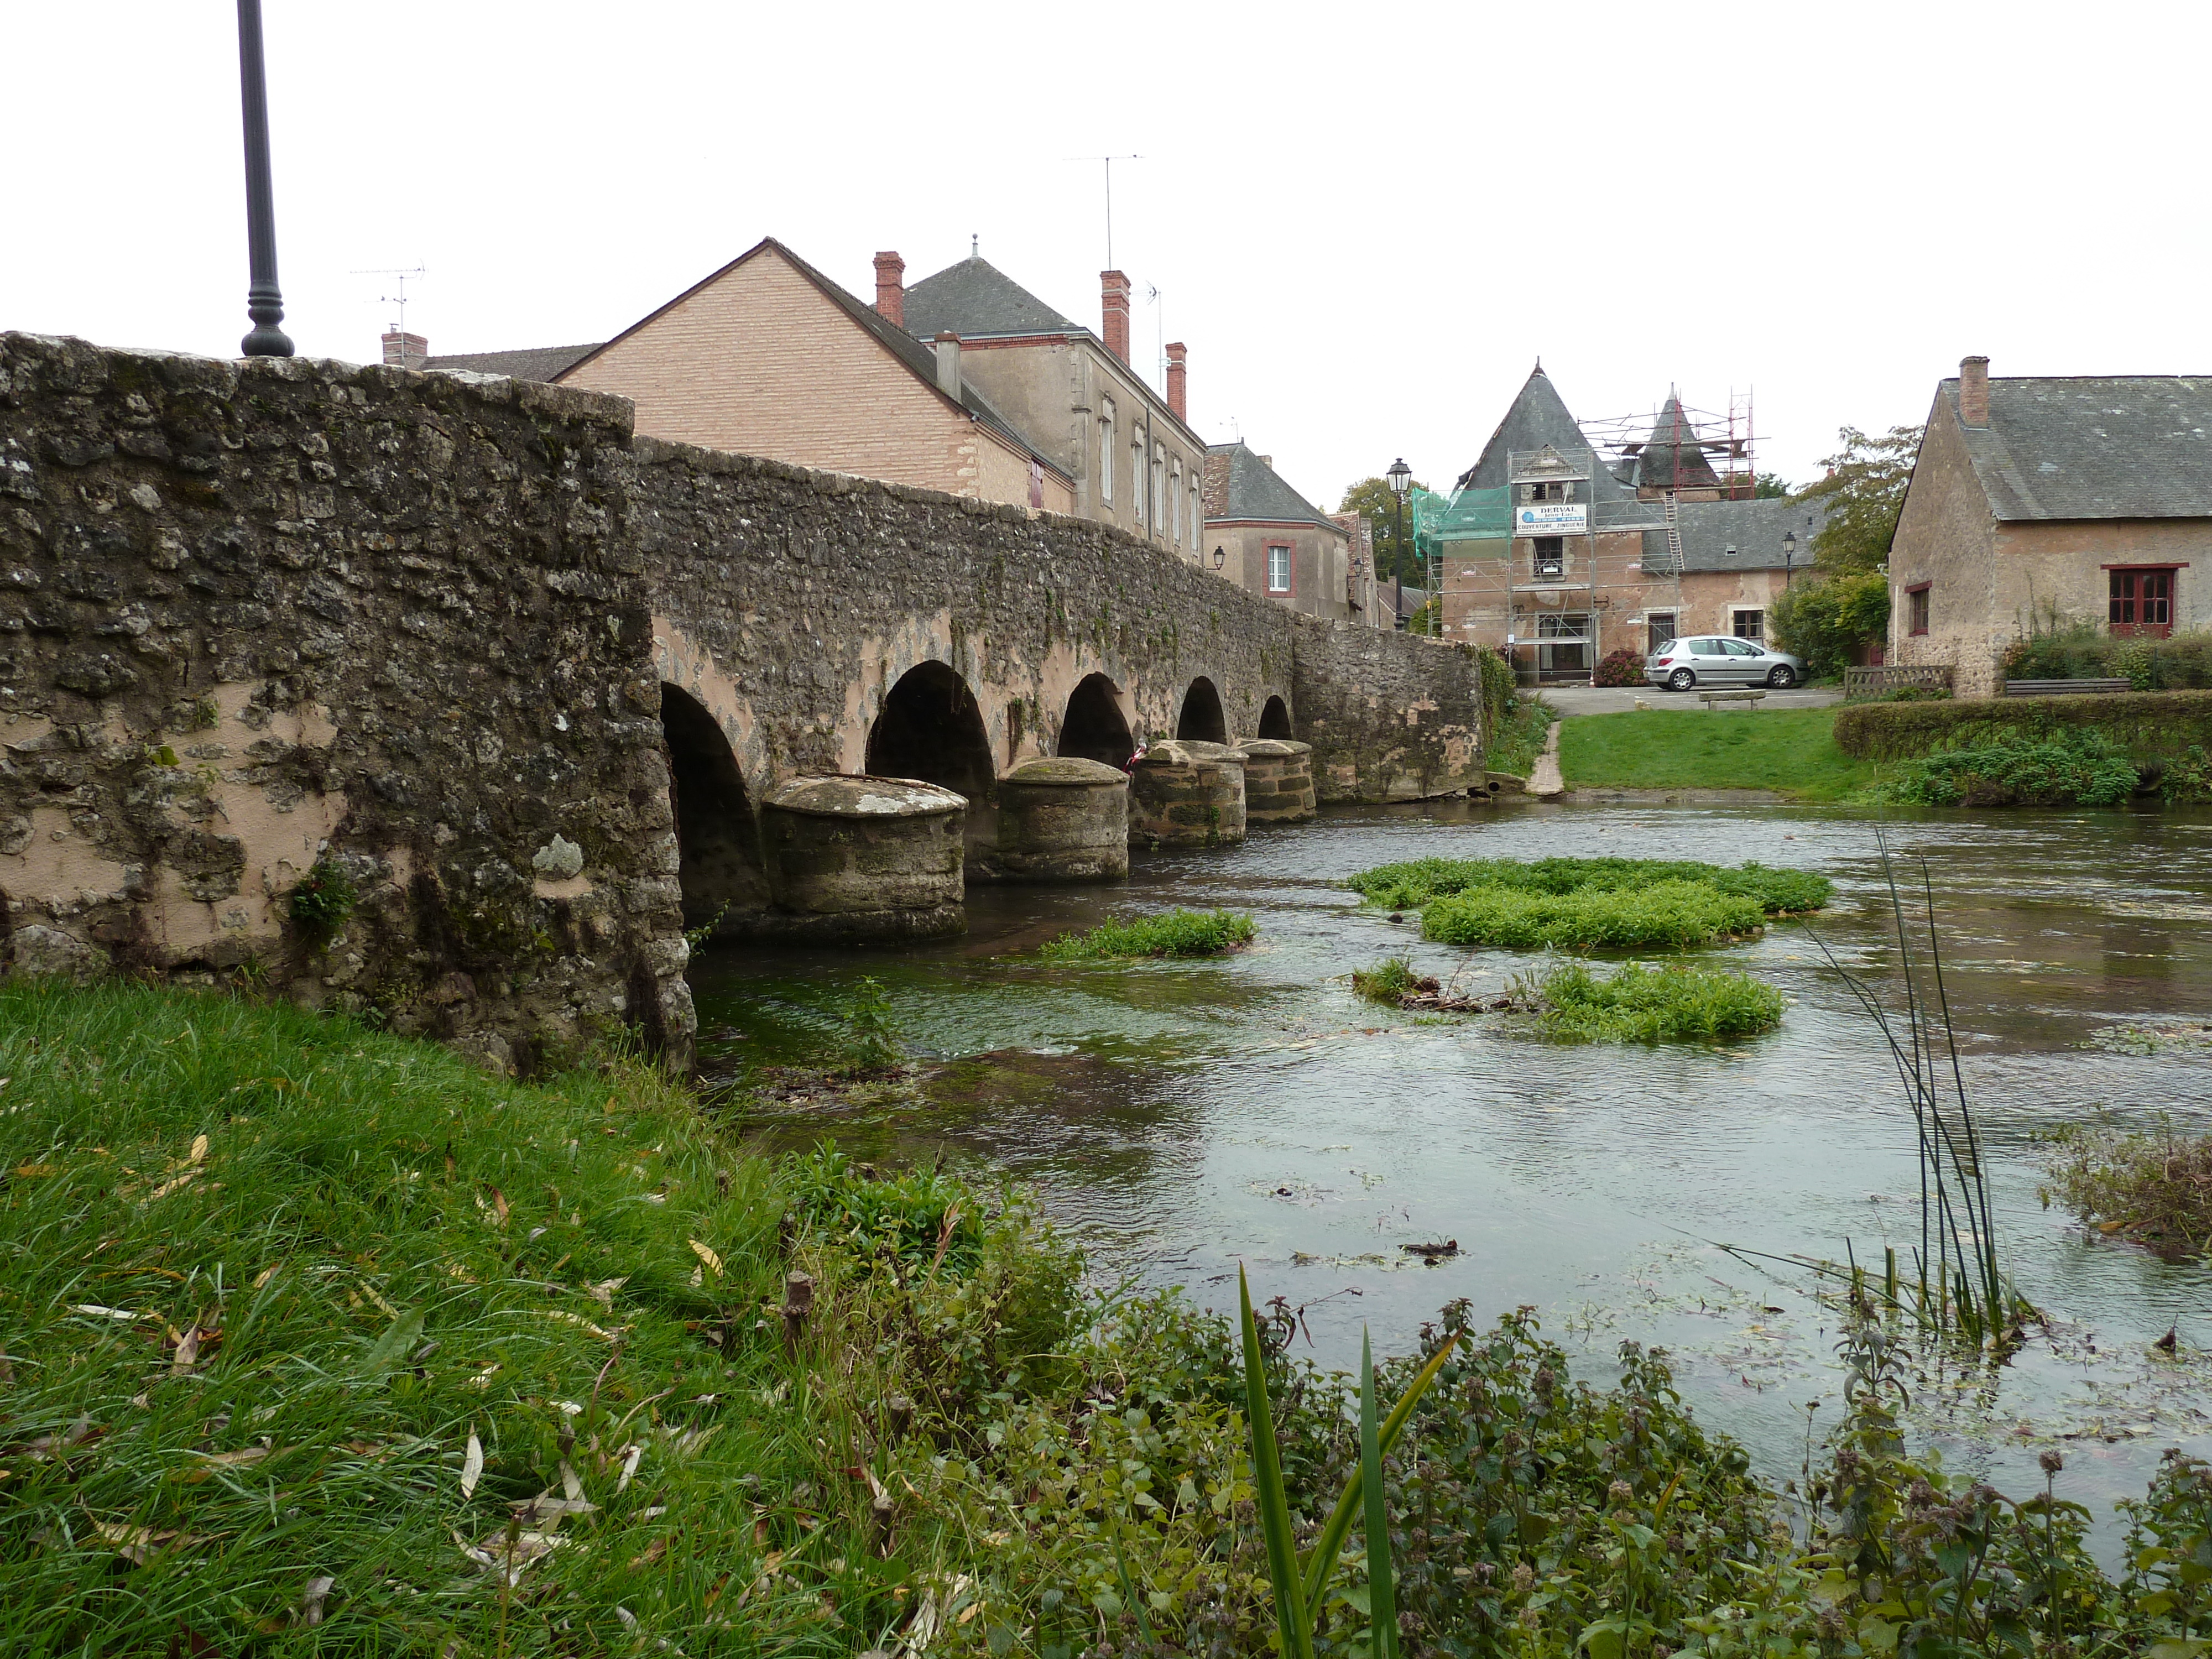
(1637, 1004)
(1412, 884)
(1959, 1285)
(1175, 933)
(1669, 915)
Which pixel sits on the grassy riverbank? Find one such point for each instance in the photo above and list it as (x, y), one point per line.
(1792, 752)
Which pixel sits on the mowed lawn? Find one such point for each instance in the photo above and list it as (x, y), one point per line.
(1789, 749)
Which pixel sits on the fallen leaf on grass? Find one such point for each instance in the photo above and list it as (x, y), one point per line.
(472, 1465)
(604, 1291)
(503, 1559)
(631, 1456)
(31, 1172)
(653, 1551)
(244, 1456)
(137, 1545)
(713, 1262)
(93, 1310)
(312, 1599)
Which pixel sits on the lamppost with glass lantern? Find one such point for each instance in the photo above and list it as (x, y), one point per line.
(1401, 477)
(1788, 558)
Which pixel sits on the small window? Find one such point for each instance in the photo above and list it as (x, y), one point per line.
(1751, 625)
(1661, 627)
(1916, 609)
(1106, 456)
(1174, 503)
(1157, 508)
(1137, 476)
(1196, 520)
(1279, 569)
(1550, 555)
(2142, 602)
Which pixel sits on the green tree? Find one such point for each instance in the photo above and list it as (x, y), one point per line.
(1864, 491)
(1371, 499)
(1826, 619)
(1770, 487)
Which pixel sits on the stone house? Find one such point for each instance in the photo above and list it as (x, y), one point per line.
(769, 357)
(1272, 540)
(1545, 555)
(1130, 452)
(2038, 503)
(1737, 558)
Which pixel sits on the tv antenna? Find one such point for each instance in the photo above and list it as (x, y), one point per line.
(1109, 161)
(398, 295)
(1159, 330)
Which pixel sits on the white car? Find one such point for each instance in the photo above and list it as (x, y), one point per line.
(1718, 659)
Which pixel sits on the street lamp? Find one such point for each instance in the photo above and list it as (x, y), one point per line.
(1220, 557)
(1788, 557)
(265, 303)
(1401, 477)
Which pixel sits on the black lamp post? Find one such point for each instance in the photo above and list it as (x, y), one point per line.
(1401, 477)
(1220, 557)
(265, 303)
(1788, 557)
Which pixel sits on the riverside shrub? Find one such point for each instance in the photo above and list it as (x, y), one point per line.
(2068, 769)
(1637, 1004)
(1670, 915)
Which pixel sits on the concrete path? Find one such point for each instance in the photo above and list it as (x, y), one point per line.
(1545, 782)
(1609, 700)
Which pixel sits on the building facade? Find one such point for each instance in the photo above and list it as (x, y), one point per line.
(769, 357)
(1268, 539)
(2042, 503)
(1128, 452)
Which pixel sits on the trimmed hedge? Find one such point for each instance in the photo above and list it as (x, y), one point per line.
(2146, 724)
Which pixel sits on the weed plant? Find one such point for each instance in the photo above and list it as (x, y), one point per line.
(1636, 1004)
(1667, 915)
(1518, 733)
(2066, 768)
(320, 901)
(867, 1042)
(1411, 885)
(2155, 1188)
(1388, 981)
(2187, 780)
(1175, 933)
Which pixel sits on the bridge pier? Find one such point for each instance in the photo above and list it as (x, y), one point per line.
(1186, 793)
(1279, 780)
(1063, 820)
(865, 861)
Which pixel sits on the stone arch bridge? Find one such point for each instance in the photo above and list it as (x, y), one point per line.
(509, 681)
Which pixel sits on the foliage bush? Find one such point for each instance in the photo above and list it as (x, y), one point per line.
(1175, 933)
(1622, 667)
(2155, 1188)
(1413, 883)
(2186, 780)
(2086, 650)
(2073, 769)
(1652, 1004)
(2146, 724)
(1671, 915)
(1827, 621)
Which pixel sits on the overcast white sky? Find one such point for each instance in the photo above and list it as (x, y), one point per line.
(1829, 204)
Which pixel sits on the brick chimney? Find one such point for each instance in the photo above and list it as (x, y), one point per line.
(404, 351)
(948, 364)
(891, 288)
(1115, 300)
(1974, 390)
(1178, 382)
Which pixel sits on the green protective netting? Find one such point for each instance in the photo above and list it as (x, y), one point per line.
(1463, 515)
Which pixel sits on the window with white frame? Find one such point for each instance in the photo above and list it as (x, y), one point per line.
(1137, 474)
(1159, 506)
(1175, 502)
(1106, 456)
(1197, 519)
(1279, 568)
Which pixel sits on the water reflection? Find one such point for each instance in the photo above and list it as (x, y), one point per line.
(1183, 1118)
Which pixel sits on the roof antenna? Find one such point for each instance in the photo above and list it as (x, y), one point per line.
(1109, 161)
(400, 297)
(974, 245)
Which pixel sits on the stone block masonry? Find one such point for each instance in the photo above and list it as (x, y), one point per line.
(502, 679)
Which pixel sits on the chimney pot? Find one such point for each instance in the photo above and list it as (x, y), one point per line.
(1178, 382)
(1974, 390)
(948, 364)
(890, 289)
(1113, 292)
(404, 351)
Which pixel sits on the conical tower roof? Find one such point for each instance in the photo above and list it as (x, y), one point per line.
(1671, 456)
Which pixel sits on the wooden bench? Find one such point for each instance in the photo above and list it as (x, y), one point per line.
(2063, 688)
(1709, 698)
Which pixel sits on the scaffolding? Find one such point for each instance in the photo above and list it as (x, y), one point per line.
(1677, 436)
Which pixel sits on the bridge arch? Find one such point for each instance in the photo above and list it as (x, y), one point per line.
(930, 727)
(1202, 719)
(1275, 719)
(717, 840)
(1095, 727)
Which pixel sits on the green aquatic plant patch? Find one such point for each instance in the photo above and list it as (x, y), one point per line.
(1388, 981)
(2154, 1188)
(1175, 933)
(1636, 1004)
(1413, 883)
(1669, 915)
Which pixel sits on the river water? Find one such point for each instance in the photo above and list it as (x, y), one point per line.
(1181, 1118)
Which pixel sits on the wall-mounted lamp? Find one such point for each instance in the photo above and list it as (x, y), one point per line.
(1220, 557)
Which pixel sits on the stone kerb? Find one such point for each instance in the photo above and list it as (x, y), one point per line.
(1184, 793)
(1061, 820)
(856, 859)
(1279, 780)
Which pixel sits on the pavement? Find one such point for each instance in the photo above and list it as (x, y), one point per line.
(1610, 700)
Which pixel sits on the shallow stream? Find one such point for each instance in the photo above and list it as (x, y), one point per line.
(1180, 1118)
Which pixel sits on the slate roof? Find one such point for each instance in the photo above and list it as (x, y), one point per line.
(2093, 446)
(974, 299)
(1746, 535)
(529, 363)
(1538, 416)
(1239, 485)
(918, 358)
(1672, 458)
